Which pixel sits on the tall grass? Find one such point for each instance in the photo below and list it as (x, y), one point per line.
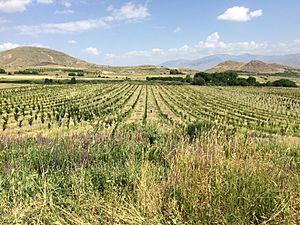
(144, 176)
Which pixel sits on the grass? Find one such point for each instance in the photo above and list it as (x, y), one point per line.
(143, 176)
(150, 154)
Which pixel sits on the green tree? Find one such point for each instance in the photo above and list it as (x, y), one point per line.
(198, 81)
(284, 83)
(73, 80)
(188, 79)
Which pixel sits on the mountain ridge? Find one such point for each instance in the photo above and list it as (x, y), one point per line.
(253, 66)
(207, 62)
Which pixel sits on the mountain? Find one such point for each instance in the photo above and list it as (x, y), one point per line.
(254, 66)
(257, 66)
(292, 60)
(33, 56)
(43, 57)
(225, 66)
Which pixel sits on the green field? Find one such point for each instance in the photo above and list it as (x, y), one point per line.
(142, 153)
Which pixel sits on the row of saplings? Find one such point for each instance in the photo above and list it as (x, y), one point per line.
(229, 78)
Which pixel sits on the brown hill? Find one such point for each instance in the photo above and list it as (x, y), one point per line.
(33, 56)
(254, 66)
(226, 66)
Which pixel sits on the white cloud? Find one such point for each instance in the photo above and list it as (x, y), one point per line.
(92, 51)
(73, 42)
(177, 30)
(45, 1)
(239, 14)
(12, 6)
(128, 13)
(68, 27)
(65, 11)
(7, 46)
(156, 50)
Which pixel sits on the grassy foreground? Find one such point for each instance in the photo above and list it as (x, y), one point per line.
(143, 176)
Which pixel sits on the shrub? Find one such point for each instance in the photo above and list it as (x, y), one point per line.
(196, 128)
(175, 72)
(73, 80)
(198, 81)
(284, 83)
(48, 81)
(188, 79)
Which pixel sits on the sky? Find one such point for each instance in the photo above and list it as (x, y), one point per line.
(120, 32)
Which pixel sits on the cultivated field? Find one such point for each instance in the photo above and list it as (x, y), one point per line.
(141, 153)
(69, 107)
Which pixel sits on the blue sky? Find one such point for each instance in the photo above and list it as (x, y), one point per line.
(137, 32)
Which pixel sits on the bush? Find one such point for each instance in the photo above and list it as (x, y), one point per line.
(73, 80)
(175, 72)
(188, 79)
(2, 71)
(284, 83)
(48, 81)
(252, 81)
(198, 81)
(196, 128)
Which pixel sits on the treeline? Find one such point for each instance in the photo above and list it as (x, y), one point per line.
(78, 74)
(229, 78)
(31, 72)
(172, 79)
(27, 71)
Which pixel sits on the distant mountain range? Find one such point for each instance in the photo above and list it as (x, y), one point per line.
(292, 60)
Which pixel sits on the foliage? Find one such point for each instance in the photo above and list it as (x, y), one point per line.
(228, 78)
(27, 71)
(176, 79)
(79, 74)
(48, 81)
(284, 83)
(2, 71)
(175, 72)
(73, 80)
(198, 81)
(197, 128)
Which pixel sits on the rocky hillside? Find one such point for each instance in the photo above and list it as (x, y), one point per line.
(33, 56)
(254, 66)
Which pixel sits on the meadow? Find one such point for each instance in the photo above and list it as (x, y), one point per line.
(142, 153)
